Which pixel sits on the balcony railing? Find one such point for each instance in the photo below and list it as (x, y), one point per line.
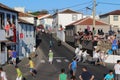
(4, 35)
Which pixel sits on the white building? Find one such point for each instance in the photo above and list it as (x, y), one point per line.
(47, 22)
(63, 18)
(27, 32)
(20, 9)
(26, 38)
(28, 17)
(112, 18)
(41, 16)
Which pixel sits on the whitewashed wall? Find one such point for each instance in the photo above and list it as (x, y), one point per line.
(28, 19)
(65, 19)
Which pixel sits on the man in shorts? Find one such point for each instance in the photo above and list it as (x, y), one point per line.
(73, 66)
(32, 67)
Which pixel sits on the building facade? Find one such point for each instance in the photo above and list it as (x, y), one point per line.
(63, 18)
(83, 24)
(26, 38)
(112, 18)
(47, 22)
(8, 31)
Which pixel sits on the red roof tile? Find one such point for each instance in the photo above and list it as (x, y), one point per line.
(41, 15)
(49, 16)
(88, 21)
(116, 12)
(68, 11)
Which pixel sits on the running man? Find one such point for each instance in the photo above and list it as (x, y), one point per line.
(19, 73)
(32, 67)
(73, 66)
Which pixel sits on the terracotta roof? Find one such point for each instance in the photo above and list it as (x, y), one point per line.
(21, 14)
(116, 12)
(68, 11)
(24, 21)
(49, 16)
(87, 21)
(41, 15)
(75, 22)
(7, 8)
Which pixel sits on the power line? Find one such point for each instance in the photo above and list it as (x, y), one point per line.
(108, 3)
(52, 10)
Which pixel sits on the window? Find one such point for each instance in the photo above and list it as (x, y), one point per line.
(74, 17)
(115, 18)
(13, 19)
(26, 29)
(2, 21)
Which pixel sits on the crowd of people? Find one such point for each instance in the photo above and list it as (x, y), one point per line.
(100, 40)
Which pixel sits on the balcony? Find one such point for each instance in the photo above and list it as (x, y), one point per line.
(5, 35)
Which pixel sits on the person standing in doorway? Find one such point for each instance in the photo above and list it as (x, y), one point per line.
(3, 74)
(62, 75)
(50, 56)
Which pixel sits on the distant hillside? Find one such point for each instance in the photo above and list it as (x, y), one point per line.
(40, 12)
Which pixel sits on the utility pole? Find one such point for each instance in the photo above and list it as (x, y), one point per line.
(93, 28)
(94, 13)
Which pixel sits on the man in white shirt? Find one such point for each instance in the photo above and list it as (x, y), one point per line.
(79, 55)
(3, 74)
(84, 56)
(96, 56)
(117, 70)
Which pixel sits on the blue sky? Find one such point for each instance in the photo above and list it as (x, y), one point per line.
(50, 5)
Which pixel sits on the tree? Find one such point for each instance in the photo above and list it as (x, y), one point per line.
(40, 12)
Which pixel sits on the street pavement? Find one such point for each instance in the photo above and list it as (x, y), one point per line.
(62, 57)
